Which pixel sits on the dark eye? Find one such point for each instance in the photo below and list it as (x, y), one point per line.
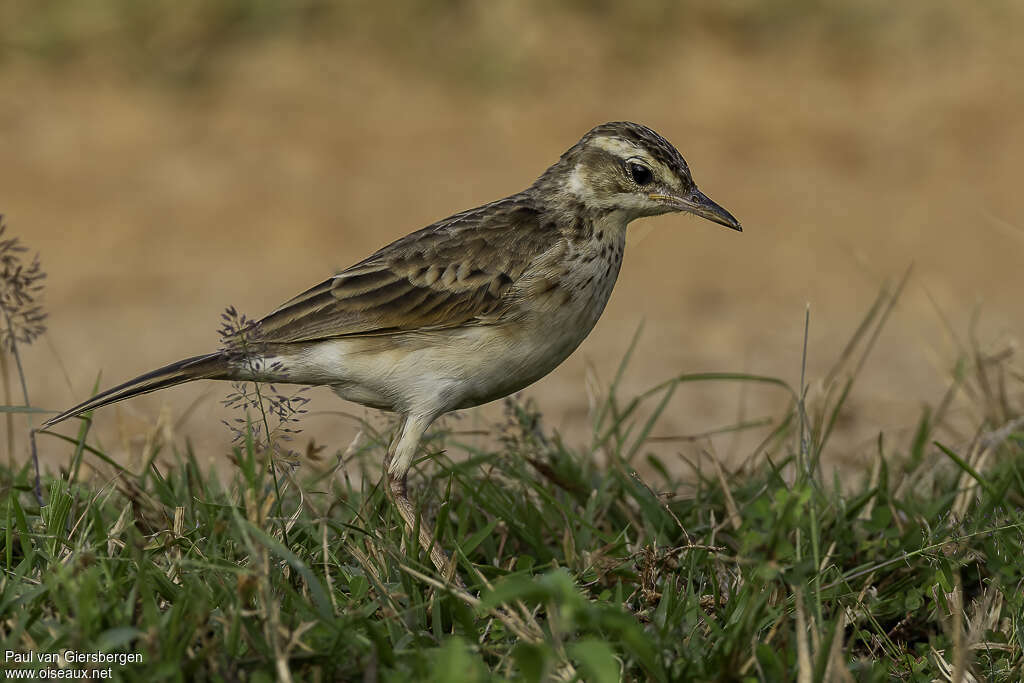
(640, 174)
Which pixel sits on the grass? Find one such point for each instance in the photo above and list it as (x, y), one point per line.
(577, 567)
(486, 45)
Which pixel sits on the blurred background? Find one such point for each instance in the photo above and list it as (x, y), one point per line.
(167, 159)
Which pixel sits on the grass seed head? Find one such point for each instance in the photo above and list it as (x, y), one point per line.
(21, 289)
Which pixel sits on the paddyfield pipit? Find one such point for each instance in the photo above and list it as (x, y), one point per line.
(467, 310)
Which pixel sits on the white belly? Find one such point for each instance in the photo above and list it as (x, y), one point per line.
(432, 371)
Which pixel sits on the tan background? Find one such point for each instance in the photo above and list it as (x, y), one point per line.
(167, 169)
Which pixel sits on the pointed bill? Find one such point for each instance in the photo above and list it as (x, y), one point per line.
(700, 205)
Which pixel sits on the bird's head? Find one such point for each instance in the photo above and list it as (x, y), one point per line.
(625, 167)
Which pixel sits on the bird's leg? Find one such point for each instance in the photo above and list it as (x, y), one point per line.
(397, 468)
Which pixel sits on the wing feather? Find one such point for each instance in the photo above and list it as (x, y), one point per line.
(459, 271)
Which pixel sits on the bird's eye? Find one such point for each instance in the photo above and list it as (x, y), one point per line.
(640, 174)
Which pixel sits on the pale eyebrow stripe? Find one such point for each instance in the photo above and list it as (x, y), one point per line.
(625, 149)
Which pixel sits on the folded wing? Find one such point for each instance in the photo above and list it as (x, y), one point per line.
(452, 273)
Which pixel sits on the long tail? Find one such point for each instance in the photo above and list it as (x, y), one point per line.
(210, 366)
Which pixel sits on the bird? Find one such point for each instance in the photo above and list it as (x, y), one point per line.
(465, 311)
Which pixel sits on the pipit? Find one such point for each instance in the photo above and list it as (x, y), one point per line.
(467, 310)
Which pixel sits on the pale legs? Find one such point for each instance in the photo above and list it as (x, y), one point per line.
(396, 469)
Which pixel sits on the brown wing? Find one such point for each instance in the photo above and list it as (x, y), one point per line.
(455, 272)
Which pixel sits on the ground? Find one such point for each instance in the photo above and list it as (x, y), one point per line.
(160, 186)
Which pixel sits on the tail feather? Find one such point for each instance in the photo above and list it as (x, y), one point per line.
(210, 366)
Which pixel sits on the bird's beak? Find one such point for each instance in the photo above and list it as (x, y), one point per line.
(698, 204)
